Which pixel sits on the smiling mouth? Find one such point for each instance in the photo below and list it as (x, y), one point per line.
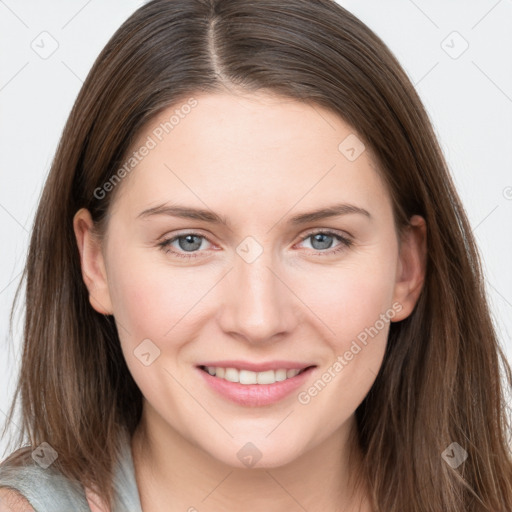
(248, 377)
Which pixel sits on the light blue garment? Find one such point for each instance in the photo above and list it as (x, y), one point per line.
(48, 491)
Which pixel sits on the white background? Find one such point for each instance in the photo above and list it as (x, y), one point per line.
(469, 100)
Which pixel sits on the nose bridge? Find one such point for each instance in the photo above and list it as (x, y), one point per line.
(257, 305)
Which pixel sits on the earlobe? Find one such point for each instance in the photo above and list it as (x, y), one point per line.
(411, 266)
(92, 262)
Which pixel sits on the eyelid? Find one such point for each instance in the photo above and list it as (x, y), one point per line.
(310, 232)
(345, 238)
(330, 231)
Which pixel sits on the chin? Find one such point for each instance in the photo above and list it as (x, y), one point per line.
(257, 455)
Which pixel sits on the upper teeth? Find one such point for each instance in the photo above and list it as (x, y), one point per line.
(248, 377)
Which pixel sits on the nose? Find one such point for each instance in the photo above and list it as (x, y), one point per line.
(256, 303)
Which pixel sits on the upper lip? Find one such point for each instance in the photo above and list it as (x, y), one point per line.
(259, 367)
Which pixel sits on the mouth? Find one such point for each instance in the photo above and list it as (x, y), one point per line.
(251, 388)
(248, 377)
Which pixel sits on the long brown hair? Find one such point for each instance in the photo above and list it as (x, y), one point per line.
(440, 379)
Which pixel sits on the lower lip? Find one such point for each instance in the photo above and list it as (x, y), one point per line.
(255, 395)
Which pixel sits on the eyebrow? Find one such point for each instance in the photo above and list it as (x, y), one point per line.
(185, 212)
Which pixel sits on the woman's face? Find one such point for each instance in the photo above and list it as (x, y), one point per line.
(273, 288)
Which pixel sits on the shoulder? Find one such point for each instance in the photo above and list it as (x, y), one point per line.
(13, 501)
(42, 487)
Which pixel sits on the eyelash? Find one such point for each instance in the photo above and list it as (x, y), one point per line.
(345, 243)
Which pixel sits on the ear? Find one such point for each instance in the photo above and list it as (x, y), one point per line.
(92, 262)
(411, 267)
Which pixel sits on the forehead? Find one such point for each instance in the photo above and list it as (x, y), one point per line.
(251, 149)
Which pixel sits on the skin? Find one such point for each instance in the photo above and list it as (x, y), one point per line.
(256, 159)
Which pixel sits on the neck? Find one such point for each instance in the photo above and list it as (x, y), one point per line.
(173, 474)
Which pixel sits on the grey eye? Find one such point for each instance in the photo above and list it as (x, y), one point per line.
(323, 241)
(189, 244)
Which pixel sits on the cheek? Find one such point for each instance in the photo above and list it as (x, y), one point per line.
(150, 303)
(366, 296)
(358, 308)
(360, 321)
(354, 303)
(148, 297)
(350, 297)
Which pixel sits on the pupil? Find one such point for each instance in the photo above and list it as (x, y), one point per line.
(188, 239)
(321, 237)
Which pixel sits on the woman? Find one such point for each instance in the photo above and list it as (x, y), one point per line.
(252, 284)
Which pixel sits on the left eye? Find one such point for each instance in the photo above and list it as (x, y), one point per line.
(192, 242)
(323, 240)
(188, 242)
